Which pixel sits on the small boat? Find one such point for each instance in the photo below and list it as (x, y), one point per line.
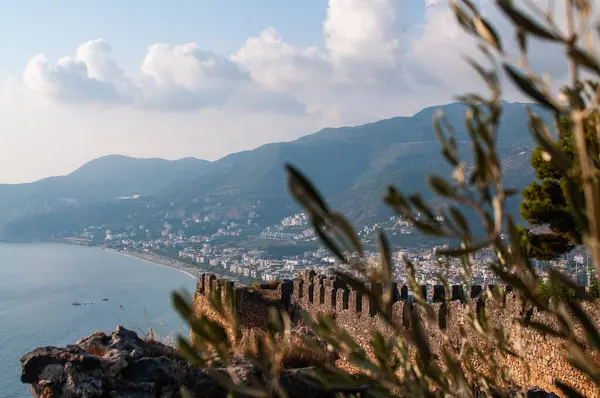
(76, 303)
(104, 299)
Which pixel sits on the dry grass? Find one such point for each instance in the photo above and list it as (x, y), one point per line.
(151, 334)
(96, 350)
(297, 354)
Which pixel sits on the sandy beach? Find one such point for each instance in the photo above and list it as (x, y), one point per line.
(190, 271)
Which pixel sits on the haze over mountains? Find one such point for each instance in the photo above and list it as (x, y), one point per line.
(101, 179)
(350, 165)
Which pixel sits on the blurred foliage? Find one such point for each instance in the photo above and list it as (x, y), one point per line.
(547, 290)
(405, 364)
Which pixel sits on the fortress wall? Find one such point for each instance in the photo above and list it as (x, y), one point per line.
(318, 294)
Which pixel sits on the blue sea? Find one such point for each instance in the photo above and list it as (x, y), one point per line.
(39, 283)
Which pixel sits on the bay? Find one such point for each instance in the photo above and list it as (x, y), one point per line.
(39, 283)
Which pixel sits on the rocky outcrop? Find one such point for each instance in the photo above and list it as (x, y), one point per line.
(121, 364)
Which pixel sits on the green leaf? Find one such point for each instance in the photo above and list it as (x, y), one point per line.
(459, 252)
(487, 33)
(215, 332)
(460, 220)
(517, 283)
(582, 362)
(528, 87)
(185, 393)
(448, 148)
(386, 258)
(189, 352)
(430, 229)
(339, 220)
(559, 279)
(481, 163)
(516, 246)
(569, 391)
(328, 330)
(420, 205)
(471, 6)
(234, 316)
(463, 19)
(419, 338)
(490, 78)
(331, 245)
(574, 96)
(304, 192)
(457, 372)
(358, 285)
(542, 135)
(386, 267)
(523, 21)
(181, 306)
(380, 348)
(274, 322)
(545, 329)
(398, 202)
(584, 59)
(522, 40)
(576, 205)
(591, 332)
(440, 186)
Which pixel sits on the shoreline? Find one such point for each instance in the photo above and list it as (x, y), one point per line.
(160, 261)
(156, 259)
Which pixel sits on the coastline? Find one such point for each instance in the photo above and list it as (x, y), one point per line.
(155, 259)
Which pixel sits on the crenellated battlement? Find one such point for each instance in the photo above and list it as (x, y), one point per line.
(253, 304)
(319, 294)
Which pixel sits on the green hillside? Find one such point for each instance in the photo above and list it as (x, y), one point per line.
(352, 166)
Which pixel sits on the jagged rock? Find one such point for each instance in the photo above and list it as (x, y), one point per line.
(123, 365)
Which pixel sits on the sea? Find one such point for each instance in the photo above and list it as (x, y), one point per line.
(40, 282)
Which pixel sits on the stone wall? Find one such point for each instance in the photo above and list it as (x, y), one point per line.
(320, 294)
(252, 304)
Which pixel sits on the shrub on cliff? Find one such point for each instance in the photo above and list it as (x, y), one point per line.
(406, 364)
(545, 203)
(594, 286)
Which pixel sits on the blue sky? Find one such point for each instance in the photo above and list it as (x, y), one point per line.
(83, 79)
(56, 27)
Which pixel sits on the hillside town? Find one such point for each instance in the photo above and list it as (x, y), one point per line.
(282, 250)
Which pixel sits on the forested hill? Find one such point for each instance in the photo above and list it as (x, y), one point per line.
(352, 166)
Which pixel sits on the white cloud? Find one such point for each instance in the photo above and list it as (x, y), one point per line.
(372, 51)
(96, 55)
(181, 77)
(280, 66)
(69, 81)
(438, 49)
(189, 67)
(376, 62)
(359, 30)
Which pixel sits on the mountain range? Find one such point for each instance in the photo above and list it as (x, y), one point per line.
(351, 166)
